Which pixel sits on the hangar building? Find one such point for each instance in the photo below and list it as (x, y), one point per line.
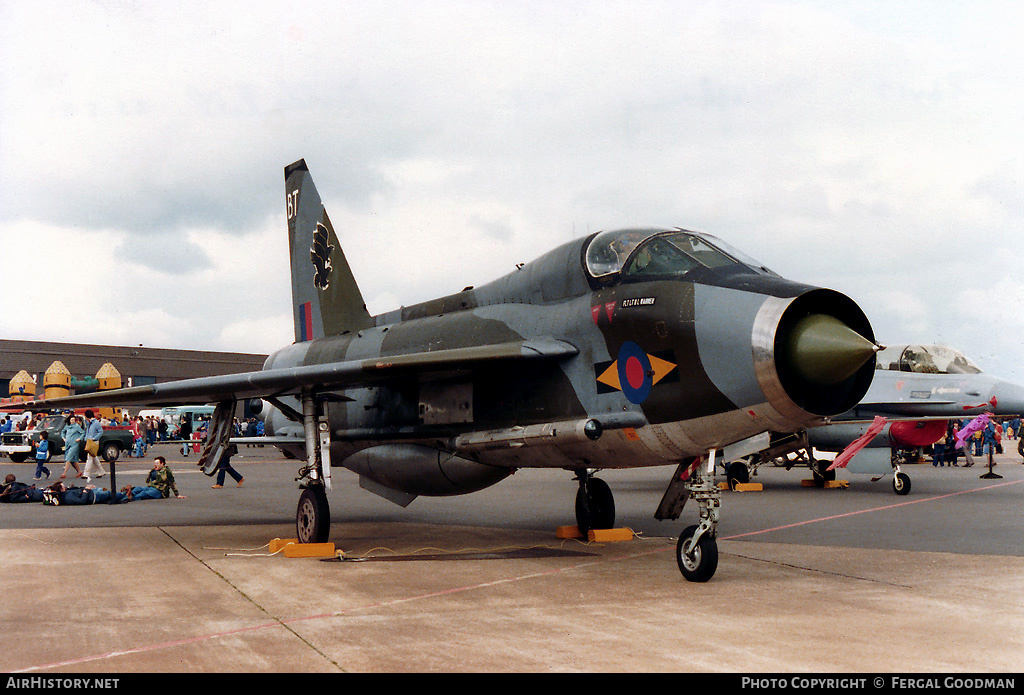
(138, 365)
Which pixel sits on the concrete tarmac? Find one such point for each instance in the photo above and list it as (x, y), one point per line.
(854, 580)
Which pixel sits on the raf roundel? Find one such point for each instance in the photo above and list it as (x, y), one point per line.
(635, 374)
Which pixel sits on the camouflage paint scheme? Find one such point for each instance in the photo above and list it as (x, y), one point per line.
(699, 352)
(704, 392)
(636, 347)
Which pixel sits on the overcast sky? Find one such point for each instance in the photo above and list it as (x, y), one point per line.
(872, 147)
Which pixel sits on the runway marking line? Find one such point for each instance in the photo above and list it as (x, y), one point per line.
(868, 511)
(473, 587)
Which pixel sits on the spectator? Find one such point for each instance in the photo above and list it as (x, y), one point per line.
(162, 479)
(42, 455)
(93, 432)
(224, 466)
(72, 435)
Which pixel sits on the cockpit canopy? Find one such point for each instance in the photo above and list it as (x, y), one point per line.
(646, 254)
(925, 359)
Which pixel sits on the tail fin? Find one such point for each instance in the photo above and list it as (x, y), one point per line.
(325, 297)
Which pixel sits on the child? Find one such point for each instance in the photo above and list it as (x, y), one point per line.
(42, 453)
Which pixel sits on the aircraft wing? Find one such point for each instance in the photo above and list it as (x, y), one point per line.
(318, 377)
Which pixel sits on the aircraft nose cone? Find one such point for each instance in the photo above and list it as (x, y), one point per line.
(824, 350)
(1007, 398)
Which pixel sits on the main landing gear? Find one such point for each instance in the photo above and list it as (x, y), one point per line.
(595, 505)
(313, 515)
(900, 480)
(697, 548)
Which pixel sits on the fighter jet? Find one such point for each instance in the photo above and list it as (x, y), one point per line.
(633, 347)
(918, 389)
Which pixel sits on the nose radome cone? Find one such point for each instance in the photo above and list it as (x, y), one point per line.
(824, 350)
(1008, 398)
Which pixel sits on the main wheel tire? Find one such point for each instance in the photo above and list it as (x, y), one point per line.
(699, 566)
(595, 506)
(738, 473)
(313, 516)
(821, 474)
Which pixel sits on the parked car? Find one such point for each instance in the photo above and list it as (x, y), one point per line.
(20, 446)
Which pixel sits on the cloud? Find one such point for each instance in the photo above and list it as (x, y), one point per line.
(166, 254)
(87, 287)
(260, 335)
(865, 146)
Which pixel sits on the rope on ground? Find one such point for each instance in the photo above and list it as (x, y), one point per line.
(461, 551)
(383, 551)
(248, 552)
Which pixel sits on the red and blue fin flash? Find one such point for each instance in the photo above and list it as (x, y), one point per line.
(306, 321)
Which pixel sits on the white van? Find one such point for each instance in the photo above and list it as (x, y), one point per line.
(198, 414)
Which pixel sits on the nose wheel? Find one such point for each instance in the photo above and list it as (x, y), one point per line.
(697, 561)
(697, 549)
(901, 483)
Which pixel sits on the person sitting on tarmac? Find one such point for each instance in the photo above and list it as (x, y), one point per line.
(162, 479)
(159, 484)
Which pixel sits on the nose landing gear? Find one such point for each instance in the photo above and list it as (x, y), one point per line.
(697, 559)
(697, 548)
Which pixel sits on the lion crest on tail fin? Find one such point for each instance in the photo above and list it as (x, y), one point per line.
(320, 255)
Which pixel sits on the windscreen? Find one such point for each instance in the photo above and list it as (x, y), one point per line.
(52, 421)
(926, 359)
(649, 253)
(675, 254)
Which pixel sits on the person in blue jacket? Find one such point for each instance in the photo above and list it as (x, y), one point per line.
(42, 453)
(72, 434)
(989, 440)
